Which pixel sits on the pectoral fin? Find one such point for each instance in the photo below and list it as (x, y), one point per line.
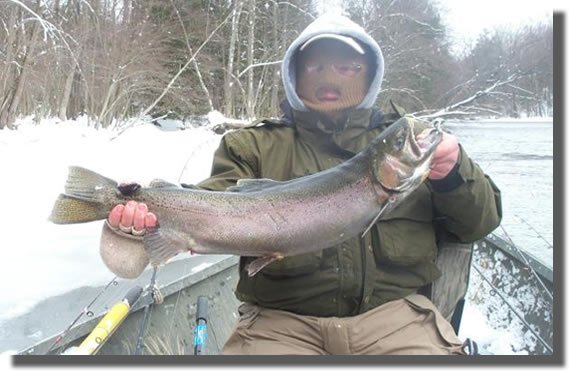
(380, 213)
(256, 265)
(163, 244)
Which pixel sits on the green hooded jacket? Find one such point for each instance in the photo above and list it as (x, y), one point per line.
(396, 258)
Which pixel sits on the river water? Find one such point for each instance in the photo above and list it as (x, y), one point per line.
(518, 156)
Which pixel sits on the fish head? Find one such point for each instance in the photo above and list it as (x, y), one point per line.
(401, 157)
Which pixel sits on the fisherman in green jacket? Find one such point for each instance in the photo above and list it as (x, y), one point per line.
(360, 297)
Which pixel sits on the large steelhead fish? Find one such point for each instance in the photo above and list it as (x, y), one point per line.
(261, 217)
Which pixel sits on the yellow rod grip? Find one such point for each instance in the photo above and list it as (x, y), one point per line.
(105, 328)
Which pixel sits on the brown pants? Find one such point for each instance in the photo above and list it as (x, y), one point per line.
(407, 326)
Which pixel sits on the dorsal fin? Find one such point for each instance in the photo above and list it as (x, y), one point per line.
(160, 183)
(189, 186)
(252, 185)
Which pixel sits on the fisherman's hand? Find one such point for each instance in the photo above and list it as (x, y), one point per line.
(445, 157)
(133, 218)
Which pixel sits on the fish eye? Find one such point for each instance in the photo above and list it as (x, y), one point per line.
(399, 142)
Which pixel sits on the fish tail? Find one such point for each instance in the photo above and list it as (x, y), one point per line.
(88, 196)
(69, 210)
(87, 184)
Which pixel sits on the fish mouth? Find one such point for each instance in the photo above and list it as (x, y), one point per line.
(402, 188)
(425, 143)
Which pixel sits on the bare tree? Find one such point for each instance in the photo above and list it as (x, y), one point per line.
(28, 39)
(526, 53)
(418, 64)
(194, 60)
(117, 59)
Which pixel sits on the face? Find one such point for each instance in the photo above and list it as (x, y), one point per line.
(331, 76)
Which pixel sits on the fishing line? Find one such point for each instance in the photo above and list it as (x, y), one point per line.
(191, 156)
(526, 324)
(535, 230)
(533, 272)
(86, 311)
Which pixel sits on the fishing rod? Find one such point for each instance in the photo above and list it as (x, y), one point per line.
(107, 325)
(157, 298)
(115, 317)
(86, 310)
(200, 331)
(514, 310)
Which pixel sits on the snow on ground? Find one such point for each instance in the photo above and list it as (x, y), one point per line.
(46, 260)
(504, 337)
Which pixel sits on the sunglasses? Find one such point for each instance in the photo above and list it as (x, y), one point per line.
(348, 69)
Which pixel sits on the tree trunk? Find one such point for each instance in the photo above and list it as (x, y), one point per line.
(8, 114)
(202, 83)
(514, 105)
(102, 119)
(6, 73)
(250, 61)
(228, 89)
(274, 104)
(62, 111)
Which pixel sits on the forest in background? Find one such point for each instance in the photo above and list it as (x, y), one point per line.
(117, 59)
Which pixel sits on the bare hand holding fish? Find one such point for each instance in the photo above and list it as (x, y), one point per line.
(260, 217)
(446, 156)
(132, 218)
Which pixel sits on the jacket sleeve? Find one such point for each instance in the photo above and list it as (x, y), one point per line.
(467, 202)
(233, 160)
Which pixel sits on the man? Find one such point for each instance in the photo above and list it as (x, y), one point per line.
(359, 297)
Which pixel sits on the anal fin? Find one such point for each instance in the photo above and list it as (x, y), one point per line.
(256, 265)
(161, 245)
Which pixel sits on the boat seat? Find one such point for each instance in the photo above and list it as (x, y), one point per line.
(449, 291)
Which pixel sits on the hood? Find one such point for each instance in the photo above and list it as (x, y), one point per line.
(338, 25)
